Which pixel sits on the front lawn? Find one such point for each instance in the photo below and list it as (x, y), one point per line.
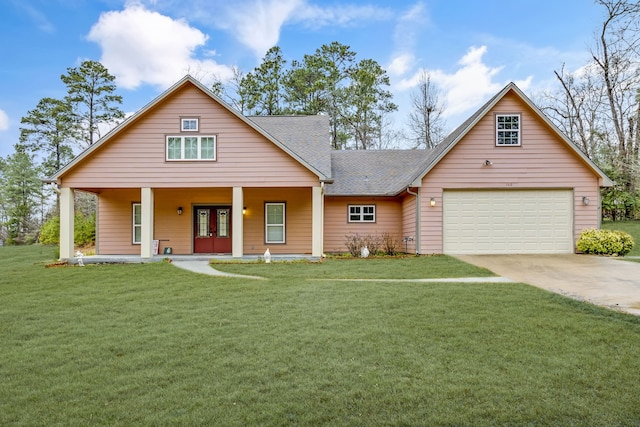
(155, 345)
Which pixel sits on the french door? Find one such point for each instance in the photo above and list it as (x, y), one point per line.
(212, 229)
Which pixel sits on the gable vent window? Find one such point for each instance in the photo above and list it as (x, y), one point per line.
(189, 125)
(362, 213)
(508, 129)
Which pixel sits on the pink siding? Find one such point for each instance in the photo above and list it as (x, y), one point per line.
(336, 225)
(176, 231)
(542, 161)
(136, 157)
(298, 220)
(409, 221)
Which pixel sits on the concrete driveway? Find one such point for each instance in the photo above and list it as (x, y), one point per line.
(609, 282)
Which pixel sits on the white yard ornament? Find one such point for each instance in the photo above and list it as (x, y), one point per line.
(80, 257)
(364, 252)
(267, 256)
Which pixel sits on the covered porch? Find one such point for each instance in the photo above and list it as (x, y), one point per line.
(139, 223)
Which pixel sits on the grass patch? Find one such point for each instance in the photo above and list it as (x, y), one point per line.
(150, 344)
(631, 227)
(412, 267)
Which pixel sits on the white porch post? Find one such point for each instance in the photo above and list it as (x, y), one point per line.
(146, 247)
(317, 212)
(66, 222)
(237, 247)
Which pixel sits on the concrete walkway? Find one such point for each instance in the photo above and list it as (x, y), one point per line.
(605, 281)
(203, 267)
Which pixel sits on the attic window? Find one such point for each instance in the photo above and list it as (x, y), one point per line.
(189, 125)
(508, 129)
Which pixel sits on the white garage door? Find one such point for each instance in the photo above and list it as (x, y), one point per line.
(508, 222)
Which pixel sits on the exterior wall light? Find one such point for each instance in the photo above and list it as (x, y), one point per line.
(244, 210)
(432, 202)
(585, 200)
(487, 163)
(179, 210)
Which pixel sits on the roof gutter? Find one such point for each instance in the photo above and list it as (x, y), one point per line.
(417, 196)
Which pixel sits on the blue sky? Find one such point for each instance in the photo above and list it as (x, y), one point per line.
(471, 48)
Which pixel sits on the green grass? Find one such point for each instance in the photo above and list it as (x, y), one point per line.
(155, 345)
(631, 227)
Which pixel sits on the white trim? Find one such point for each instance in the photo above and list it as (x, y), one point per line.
(237, 223)
(67, 208)
(361, 213)
(146, 246)
(187, 120)
(518, 130)
(267, 225)
(183, 139)
(134, 225)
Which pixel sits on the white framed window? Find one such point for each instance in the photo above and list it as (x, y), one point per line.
(189, 125)
(137, 223)
(191, 148)
(274, 222)
(362, 213)
(508, 129)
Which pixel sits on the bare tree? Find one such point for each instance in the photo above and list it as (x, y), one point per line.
(577, 108)
(616, 56)
(426, 124)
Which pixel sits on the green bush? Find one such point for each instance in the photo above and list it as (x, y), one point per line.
(84, 230)
(50, 231)
(604, 242)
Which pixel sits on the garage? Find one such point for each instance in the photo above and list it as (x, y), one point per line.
(507, 221)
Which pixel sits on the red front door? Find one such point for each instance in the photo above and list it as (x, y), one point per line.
(212, 229)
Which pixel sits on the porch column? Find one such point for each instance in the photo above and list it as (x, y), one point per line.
(67, 208)
(317, 227)
(146, 247)
(237, 223)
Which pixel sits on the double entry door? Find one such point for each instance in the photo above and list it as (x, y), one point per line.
(212, 229)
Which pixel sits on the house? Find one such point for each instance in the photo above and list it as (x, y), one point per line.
(188, 172)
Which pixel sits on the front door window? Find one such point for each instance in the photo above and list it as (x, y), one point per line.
(203, 223)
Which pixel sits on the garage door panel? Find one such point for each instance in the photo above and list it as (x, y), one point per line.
(508, 221)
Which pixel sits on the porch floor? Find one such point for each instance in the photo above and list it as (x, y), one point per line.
(137, 259)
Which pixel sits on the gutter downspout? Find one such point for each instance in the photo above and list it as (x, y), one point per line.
(54, 187)
(417, 195)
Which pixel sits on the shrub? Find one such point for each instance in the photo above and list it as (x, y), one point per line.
(50, 231)
(84, 230)
(355, 243)
(604, 242)
(389, 243)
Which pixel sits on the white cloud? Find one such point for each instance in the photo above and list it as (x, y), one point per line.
(469, 86)
(406, 34)
(340, 15)
(401, 63)
(140, 46)
(257, 25)
(4, 121)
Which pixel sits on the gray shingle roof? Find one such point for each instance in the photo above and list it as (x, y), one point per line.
(306, 136)
(374, 172)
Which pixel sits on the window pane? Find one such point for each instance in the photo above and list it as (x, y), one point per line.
(275, 233)
(275, 214)
(189, 124)
(207, 148)
(173, 148)
(191, 148)
(203, 222)
(137, 223)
